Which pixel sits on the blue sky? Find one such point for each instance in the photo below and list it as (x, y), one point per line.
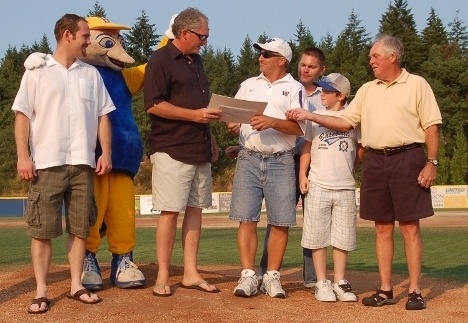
(26, 21)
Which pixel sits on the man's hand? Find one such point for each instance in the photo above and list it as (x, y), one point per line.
(260, 123)
(428, 175)
(297, 114)
(103, 165)
(26, 168)
(233, 128)
(206, 115)
(232, 151)
(35, 60)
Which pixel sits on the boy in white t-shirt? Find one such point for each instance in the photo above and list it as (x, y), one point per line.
(330, 204)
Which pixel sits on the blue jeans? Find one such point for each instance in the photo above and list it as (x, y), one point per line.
(261, 175)
(308, 270)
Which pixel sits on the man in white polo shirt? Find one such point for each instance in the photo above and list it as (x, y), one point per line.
(265, 166)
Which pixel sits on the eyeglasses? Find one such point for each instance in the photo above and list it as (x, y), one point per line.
(200, 36)
(267, 54)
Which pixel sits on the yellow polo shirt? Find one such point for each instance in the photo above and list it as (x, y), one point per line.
(393, 114)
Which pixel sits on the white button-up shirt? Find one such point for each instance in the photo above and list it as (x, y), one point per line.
(63, 106)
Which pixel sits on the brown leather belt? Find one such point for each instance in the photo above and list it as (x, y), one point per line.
(394, 150)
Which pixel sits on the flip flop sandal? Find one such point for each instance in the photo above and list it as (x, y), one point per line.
(39, 301)
(77, 297)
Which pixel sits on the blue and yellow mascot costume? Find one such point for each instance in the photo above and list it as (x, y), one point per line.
(115, 195)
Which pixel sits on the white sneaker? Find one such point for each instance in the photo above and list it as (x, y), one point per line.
(344, 291)
(324, 291)
(271, 284)
(247, 284)
(128, 275)
(91, 274)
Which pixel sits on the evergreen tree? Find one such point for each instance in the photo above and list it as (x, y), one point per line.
(97, 11)
(443, 169)
(347, 55)
(459, 161)
(43, 46)
(434, 33)
(11, 72)
(458, 33)
(399, 21)
(303, 37)
(447, 73)
(247, 62)
(141, 39)
(327, 45)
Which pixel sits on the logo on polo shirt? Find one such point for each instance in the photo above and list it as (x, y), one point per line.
(285, 93)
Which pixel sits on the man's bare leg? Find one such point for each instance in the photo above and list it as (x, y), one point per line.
(384, 245)
(165, 238)
(191, 231)
(41, 254)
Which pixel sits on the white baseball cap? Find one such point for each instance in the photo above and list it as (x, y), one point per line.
(276, 45)
(335, 82)
(169, 34)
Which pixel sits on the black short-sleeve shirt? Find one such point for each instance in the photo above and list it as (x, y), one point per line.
(171, 76)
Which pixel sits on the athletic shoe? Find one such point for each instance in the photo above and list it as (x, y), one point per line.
(124, 273)
(415, 302)
(271, 284)
(324, 291)
(247, 284)
(379, 298)
(344, 291)
(91, 275)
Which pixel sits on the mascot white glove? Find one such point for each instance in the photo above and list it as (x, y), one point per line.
(35, 60)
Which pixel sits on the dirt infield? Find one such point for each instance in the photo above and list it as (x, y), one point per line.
(445, 300)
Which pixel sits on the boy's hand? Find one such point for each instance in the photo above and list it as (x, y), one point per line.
(297, 114)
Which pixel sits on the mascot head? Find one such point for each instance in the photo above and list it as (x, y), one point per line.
(107, 45)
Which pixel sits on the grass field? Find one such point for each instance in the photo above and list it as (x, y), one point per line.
(445, 250)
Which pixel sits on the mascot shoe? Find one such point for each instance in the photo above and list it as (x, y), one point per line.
(124, 273)
(91, 275)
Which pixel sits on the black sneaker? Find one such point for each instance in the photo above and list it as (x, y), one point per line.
(379, 298)
(415, 302)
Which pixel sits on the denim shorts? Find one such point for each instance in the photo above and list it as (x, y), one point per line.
(269, 176)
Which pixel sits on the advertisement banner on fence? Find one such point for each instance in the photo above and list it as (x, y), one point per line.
(450, 197)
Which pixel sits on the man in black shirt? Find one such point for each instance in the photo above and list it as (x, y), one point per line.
(176, 98)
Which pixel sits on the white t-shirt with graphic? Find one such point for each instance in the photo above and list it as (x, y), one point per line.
(332, 154)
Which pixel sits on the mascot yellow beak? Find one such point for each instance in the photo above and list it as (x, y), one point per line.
(107, 46)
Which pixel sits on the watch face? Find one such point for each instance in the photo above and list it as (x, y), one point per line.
(435, 162)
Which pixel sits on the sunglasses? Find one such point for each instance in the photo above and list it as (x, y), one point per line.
(200, 36)
(268, 55)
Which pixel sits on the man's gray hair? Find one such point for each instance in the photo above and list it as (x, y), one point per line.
(190, 18)
(391, 44)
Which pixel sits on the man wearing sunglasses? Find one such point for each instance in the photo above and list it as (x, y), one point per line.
(310, 69)
(265, 166)
(176, 98)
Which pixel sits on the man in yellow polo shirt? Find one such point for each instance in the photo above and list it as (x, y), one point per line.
(398, 113)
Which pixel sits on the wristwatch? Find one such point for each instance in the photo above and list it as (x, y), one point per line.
(432, 161)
